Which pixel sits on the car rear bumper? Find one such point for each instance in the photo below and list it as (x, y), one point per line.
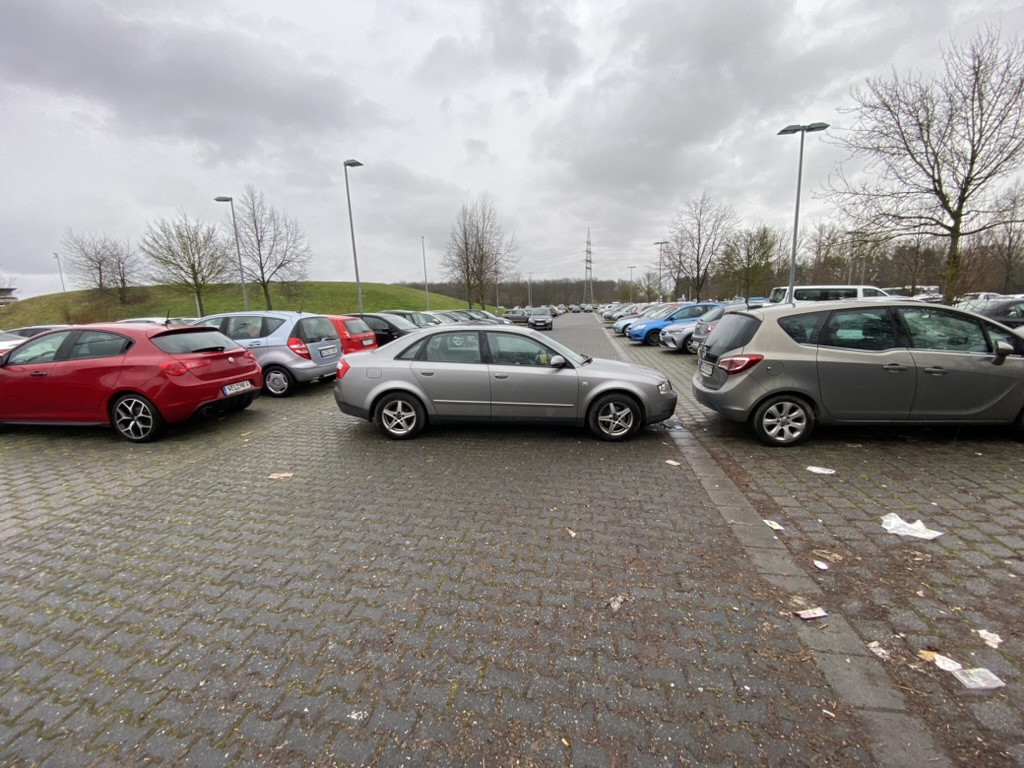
(310, 371)
(734, 403)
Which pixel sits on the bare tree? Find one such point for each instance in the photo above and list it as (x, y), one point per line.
(478, 254)
(749, 260)
(825, 247)
(1007, 240)
(273, 245)
(185, 253)
(699, 236)
(938, 148)
(100, 262)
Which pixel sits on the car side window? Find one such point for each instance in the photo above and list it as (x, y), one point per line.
(509, 349)
(376, 323)
(995, 333)
(42, 350)
(931, 328)
(91, 344)
(453, 348)
(244, 327)
(863, 329)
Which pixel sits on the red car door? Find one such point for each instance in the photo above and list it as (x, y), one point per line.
(80, 383)
(25, 391)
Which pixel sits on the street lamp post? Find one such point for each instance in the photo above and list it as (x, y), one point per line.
(661, 254)
(529, 288)
(631, 284)
(352, 229)
(238, 248)
(426, 289)
(60, 272)
(801, 129)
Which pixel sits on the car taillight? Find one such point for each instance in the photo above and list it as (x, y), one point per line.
(298, 346)
(181, 367)
(739, 363)
(710, 328)
(343, 367)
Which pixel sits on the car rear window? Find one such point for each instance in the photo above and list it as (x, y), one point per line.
(356, 326)
(187, 340)
(315, 329)
(732, 332)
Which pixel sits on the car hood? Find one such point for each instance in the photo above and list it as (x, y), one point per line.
(602, 366)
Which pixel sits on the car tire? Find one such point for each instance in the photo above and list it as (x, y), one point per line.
(136, 419)
(614, 417)
(400, 415)
(652, 338)
(688, 346)
(278, 381)
(783, 420)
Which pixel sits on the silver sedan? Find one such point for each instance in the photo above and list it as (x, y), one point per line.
(497, 374)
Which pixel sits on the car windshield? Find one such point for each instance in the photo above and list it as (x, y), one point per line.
(401, 322)
(575, 357)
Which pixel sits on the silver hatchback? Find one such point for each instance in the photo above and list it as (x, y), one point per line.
(786, 368)
(492, 373)
(290, 346)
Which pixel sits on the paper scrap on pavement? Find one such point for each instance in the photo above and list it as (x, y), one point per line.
(821, 565)
(672, 463)
(893, 523)
(812, 613)
(978, 678)
(773, 525)
(280, 475)
(821, 470)
(947, 664)
(992, 640)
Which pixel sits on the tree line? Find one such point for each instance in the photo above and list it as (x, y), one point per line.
(269, 247)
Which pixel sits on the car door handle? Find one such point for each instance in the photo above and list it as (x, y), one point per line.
(936, 371)
(426, 373)
(501, 375)
(894, 368)
(37, 374)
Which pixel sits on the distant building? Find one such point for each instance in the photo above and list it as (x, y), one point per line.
(7, 296)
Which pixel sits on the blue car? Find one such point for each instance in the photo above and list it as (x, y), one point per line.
(649, 331)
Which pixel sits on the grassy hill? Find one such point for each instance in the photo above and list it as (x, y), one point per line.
(163, 300)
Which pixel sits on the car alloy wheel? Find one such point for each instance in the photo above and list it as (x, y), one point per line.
(652, 339)
(278, 381)
(614, 417)
(783, 420)
(400, 416)
(689, 345)
(136, 419)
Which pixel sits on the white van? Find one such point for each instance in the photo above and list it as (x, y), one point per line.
(824, 293)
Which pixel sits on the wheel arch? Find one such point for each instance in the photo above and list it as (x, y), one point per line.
(109, 409)
(614, 389)
(391, 389)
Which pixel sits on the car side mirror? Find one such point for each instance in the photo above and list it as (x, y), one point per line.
(557, 362)
(1003, 350)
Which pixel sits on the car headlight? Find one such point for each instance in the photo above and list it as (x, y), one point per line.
(665, 387)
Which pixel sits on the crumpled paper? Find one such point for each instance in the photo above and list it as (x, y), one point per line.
(893, 523)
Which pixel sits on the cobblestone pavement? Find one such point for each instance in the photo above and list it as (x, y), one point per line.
(906, 595)
(287, 587)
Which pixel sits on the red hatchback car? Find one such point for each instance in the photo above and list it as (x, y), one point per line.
(137, 377)
(355, 334)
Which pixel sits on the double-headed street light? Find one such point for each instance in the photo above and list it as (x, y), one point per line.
(661, 254)
(352, 229)
(238, 248)
(801, 129)
(60, 272)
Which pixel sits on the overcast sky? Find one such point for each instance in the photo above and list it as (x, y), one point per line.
(607, 115)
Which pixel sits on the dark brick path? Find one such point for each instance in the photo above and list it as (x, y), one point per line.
(424, 602)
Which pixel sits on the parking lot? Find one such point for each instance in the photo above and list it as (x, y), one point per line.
(287, 587)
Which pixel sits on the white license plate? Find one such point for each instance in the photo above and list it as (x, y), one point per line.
(238, 386)
(327, 351)
(367, 342)
(706, 369)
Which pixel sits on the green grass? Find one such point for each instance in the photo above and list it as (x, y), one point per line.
(163, 301)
